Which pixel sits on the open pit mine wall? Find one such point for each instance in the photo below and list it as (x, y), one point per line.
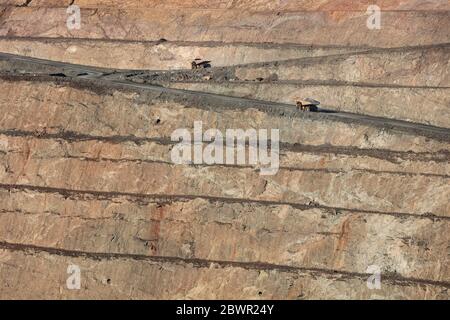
(86, 179)
(228, 33)
(374, 82)
(153, 55)
(250, 5)
(421, 105)
(86, 176)
(340, 67)
(335, 24)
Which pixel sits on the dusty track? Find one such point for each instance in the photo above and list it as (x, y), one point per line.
(86, 175)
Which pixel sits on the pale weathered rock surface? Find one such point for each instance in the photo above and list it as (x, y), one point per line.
(231, 25)
(87, 178)
(158, 55)
(375, 82)
(422, 105)
(109, 196)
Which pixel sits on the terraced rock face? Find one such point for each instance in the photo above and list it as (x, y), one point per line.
(427, 67)
(158, 55)
(374, 82)
(231, 25)
(87, 176)
(425, 105)
(252, 5)
(82, 155)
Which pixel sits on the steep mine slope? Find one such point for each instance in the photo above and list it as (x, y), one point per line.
(374, 82)
(159, 55)
(386, 98)
(87, 178)
(98, 153)
(179, 23)
(251, 5)
(170, 34)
